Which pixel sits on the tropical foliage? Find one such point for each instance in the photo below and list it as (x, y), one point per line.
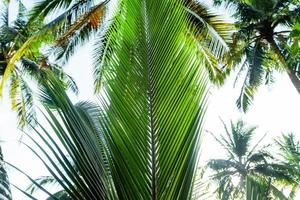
(142, 142)
(262, 43)
(13, 35)
(247, 172)
(289, 162)
(153, 62)
(77, 22)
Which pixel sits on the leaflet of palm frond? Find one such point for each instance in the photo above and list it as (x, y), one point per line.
(247, 13)
(246, 97)
(256, 70)
(42, 181)
(287, 18)
(200, 186)
(5, 191)
(255, 10)
(216, 74)
(102, 47)
(225, 188)
(241, 136)
(214, 29)
(61, 195)
(277, 194)
(21, 100)
(93, 18)
(259, 157)
(221, 164)
(279, 172)
(257, 188)
(44, 8)
(289, 148)
(216, 21)
(74, 26)
(62, 75)
(80, 143)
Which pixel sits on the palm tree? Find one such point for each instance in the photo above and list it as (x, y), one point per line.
(81, 20)
(289, 161)
(246, 171)
(12, 36)
(142, 141)
(262, 43)
(5, 192)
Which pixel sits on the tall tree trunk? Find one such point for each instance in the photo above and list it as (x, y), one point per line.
(293, 77)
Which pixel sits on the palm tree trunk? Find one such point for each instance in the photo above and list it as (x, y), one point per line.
(293, 77)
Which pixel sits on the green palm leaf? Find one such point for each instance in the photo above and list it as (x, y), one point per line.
(144, 142)
(153, 101)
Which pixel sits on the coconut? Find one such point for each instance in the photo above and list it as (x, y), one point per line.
(3, 64)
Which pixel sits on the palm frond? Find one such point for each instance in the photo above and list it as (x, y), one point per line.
(87, 178)
(246, 97)
(149, 62)
(257, 189)
(214, 36)
(42, 181)
(21, 97)
(201, 186)
(255, 57)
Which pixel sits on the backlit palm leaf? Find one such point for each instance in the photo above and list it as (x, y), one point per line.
(146, 71)
(144, 143)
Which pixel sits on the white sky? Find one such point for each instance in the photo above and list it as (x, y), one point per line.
(275, 110)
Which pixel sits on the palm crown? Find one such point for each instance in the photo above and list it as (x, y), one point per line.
(31, 66)
(245, 164)
(261, 44)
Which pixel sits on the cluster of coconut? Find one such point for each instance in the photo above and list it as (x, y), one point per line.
(3, 64)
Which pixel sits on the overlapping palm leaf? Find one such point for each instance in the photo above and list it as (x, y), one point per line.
(143, 142)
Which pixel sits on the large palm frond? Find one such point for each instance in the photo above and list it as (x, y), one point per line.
(152, 103)
(150, 82)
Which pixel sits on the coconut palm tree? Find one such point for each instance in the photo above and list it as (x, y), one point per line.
(142, 141)
(78, 22)
(262, 43)
(245, 173)
(31, 65)
(81, 20)
(289, 161)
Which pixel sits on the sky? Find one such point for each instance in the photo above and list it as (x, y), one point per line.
(275, 111)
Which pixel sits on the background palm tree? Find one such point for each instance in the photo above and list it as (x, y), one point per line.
(289, 162)
(262, 43)
(31, 65)
(142, 143)
(246, 172)
(81, 20)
